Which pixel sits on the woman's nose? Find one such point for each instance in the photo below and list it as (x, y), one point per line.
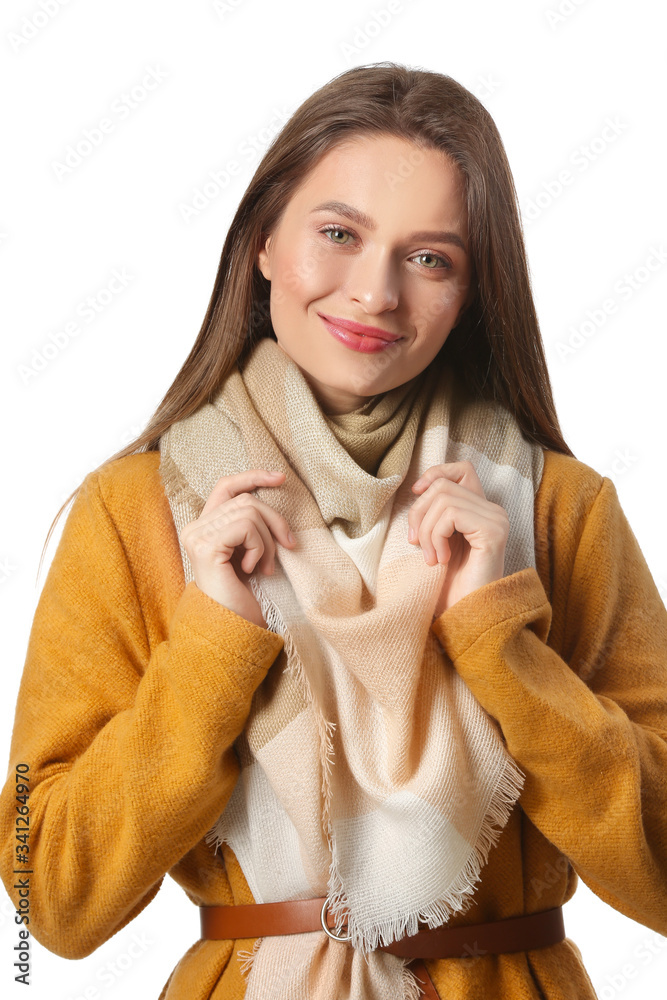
(374, 282)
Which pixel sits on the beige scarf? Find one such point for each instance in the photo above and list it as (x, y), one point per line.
(369, 771)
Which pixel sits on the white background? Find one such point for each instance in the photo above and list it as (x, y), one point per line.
(224, 78)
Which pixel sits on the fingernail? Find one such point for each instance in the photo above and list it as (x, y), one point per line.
(412, 534)
(290, 537)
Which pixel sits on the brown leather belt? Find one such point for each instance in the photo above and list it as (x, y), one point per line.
(533, 930)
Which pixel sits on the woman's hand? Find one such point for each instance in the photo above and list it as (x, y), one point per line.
(455, 524)
(233, 519)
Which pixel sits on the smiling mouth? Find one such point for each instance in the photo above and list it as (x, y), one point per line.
(361, 329)
(358, 341)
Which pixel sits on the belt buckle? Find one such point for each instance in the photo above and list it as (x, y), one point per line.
(327, 929)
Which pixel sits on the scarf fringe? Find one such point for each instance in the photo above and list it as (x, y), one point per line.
(458, 899)
(176, 486)
(411, 988)
(212, 837)
(247, 957)
(296, 670)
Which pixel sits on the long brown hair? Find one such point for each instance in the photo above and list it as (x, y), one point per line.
(496, 347)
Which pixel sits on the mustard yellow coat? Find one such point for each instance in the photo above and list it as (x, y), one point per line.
(135, 687)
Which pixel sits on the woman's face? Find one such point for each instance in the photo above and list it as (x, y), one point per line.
(392, 254)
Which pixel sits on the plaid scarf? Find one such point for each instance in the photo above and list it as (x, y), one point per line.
(369, 771)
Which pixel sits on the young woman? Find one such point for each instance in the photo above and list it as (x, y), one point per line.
(348, 642)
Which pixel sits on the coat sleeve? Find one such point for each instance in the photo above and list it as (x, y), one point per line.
(128, 748)
(587, 723)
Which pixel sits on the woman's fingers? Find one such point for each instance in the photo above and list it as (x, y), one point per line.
(428, 510)
(439, 522)
(232, 536)
(462, 473)
(234, 493)
(446, 506)
(241, 482)
(246, 530)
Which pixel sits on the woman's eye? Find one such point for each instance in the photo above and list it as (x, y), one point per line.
(337, 230)
(432, 258)
(435, 258)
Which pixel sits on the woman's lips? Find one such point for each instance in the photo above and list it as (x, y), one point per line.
(363, 328)
(365, 343)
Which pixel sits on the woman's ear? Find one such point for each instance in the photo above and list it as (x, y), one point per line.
(263, 260)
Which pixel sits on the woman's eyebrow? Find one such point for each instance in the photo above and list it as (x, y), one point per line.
(361, 219)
